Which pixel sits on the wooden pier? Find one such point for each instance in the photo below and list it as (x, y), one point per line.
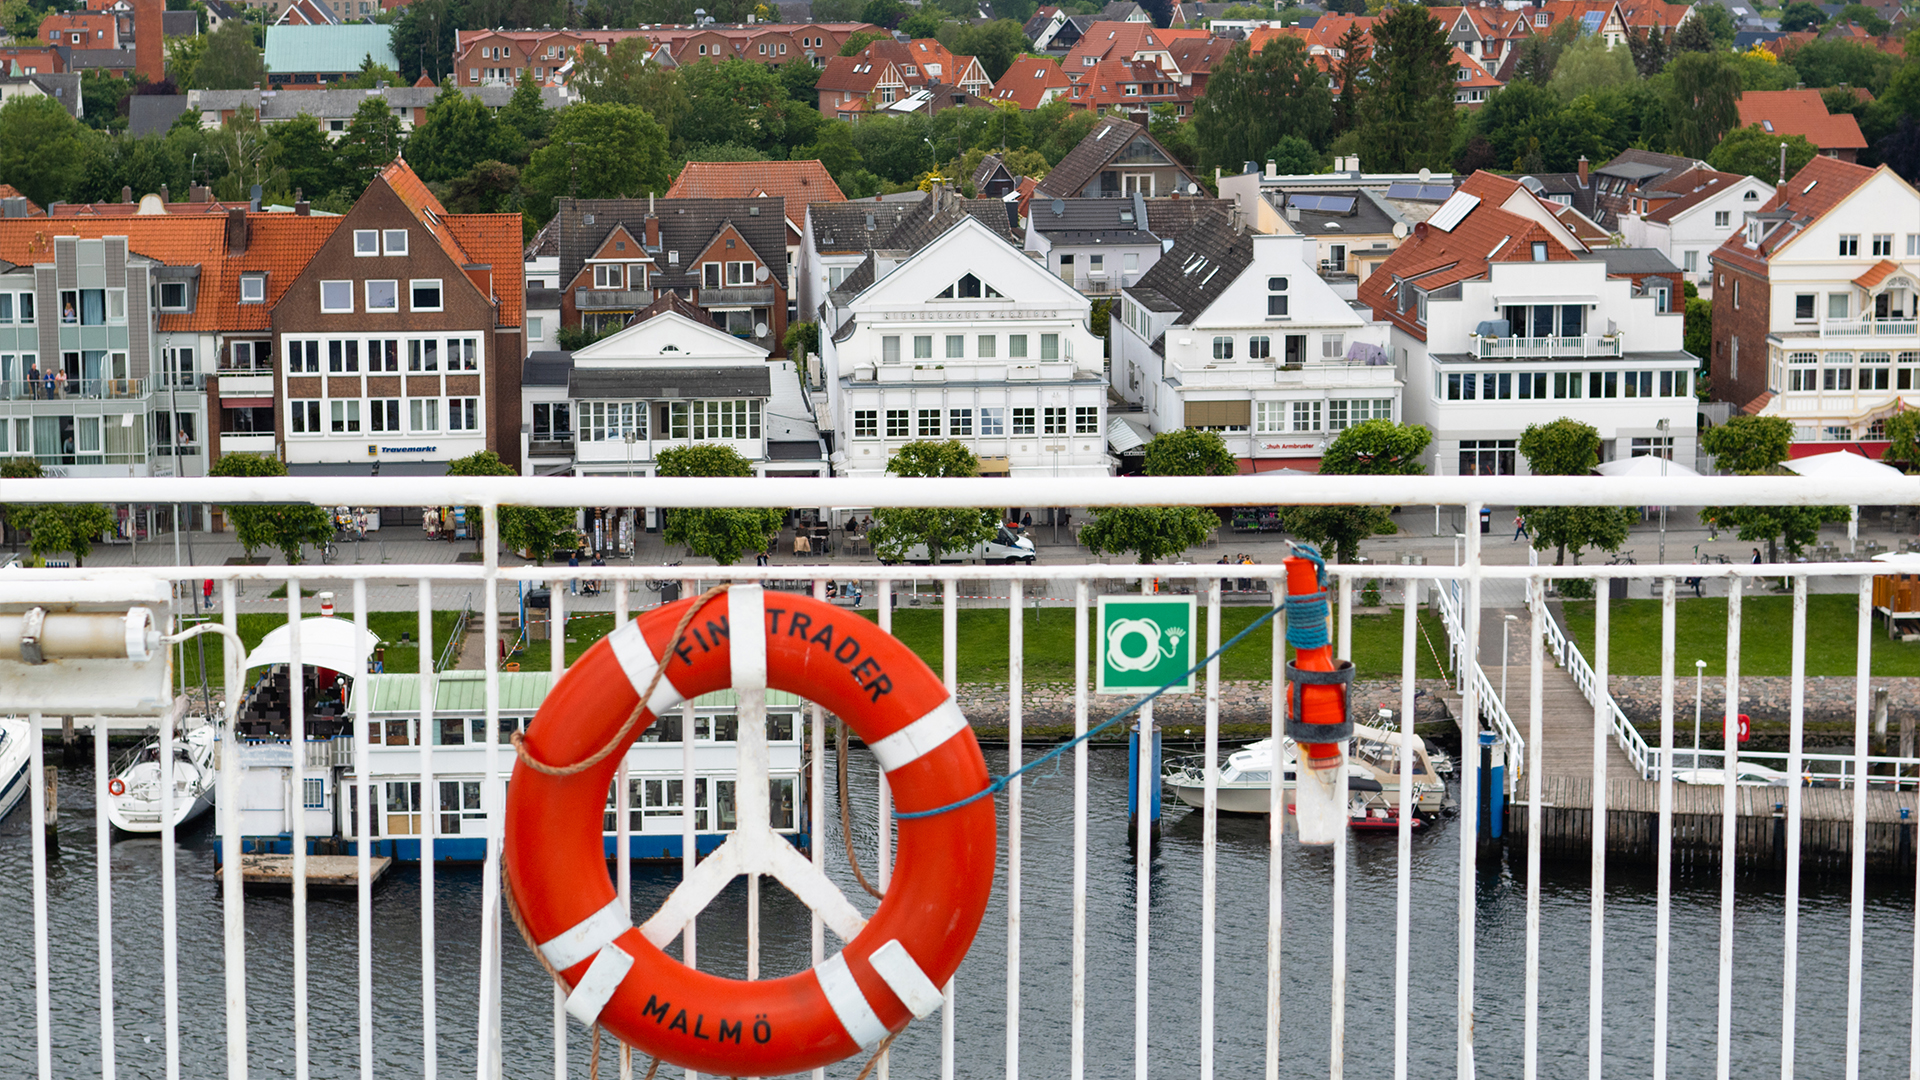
(1760, 824)
(323, 871)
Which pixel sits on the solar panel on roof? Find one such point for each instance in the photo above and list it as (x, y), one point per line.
(1403, 191)
(1590, 22)
(1436, 192)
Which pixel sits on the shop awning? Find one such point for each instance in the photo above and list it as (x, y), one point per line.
(1297, 466)
(1125, 435)
(995, 466)
(246, 403)
(326, 642)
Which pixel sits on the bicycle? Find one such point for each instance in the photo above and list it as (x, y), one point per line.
(656, 586)
(1622, 558)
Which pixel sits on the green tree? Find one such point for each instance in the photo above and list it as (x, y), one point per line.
(609, 151)
(1589, 65)
(490, 187)
(1718, 23)
(1651, 49)
(857, 41)
(302, 147)
(1567, 447)
(43, 149)
(1406, 114)
(1253, 100)
(537, 530)
(1349, 71)
(183, 56)
(1903, 440)
(1866, 19)
(1755, 446)
(244, 152)
(1369, 448)
(371, 75)
(624, 76)
(1695, 36)
(897, 531)
(231, 61)
(54, 527)
(1153, 533)
(745, 104)
(924, 23)
(459, 132)
(371, 142)
(1837, 61)
(287, 529)
(1703, 94)
(18, 468)
(102, 98)
(997, 44)
(423, 33)
(722, 535)
(1801, 15)
(885, 14)
(1754, 152)
(1699, 324)
(525, 113)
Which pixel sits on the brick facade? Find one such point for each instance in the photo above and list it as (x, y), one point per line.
(1741, 302)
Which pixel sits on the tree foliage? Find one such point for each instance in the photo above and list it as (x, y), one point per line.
(1589, 65)
(1754, 152)
(1704, 91)
(458, 133)
(1406, 114)
(1369, 448)
(230, 60)
(608, 151)
(1756, 446)
(53, 528)
(1254, 100)
(42, 148)
(287, 529)
(1568, 447)
(897, 531)
(722, 535)
(1153, 533)
(1903, 440)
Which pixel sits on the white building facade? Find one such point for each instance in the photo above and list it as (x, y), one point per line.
(1688, 229)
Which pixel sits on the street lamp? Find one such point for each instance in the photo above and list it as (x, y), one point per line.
(1699, 673)
(1505, 626)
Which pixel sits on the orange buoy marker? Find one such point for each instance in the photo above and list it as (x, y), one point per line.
(1317, 719)
(893, 962)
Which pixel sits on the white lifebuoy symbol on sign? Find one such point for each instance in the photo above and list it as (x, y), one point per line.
(1148, 631)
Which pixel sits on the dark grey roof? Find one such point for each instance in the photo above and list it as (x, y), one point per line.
(1084, 221)
(793, 451)
(153, 114)
(1631, 260)
(929, 219)
(545, 242)
(1197, 269)
(546, 368)
(1668, 163)
(1172, 218)
(856, 226)
(1567, 187)
(1151, 299)
(179, 23)
(1631, 170)
(107, 59)
(664, 382)
(1105, 141)
(544, 298)
(1365, 219)
(687, 227)
(63, 87)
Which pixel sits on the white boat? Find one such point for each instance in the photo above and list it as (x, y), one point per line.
(137, 777)
(1246, 779)
(16, 757)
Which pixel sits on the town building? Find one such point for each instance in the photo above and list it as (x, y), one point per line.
(836, 241)
(1816, 305)
(1502, 318)
(800, 183)
(1030, 82)
(490, 57)
(1635, 178)
(1233, 332)
(1705, 209)
(953, 333)
(335, 109)
(310, 57)
(1101, 246)
(727, 256)
(1802, 112)
(902, 75)
(1414, 195)
(1116, 159)
(399, 343)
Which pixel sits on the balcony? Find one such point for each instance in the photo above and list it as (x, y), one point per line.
(1333, 375)
(246, 442)
(1545, 348)
(738, 296)
(611, 299)
(1859, 328)
(246, 384)
(73, 389)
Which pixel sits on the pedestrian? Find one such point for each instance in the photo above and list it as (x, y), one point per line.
(33, 380)
(1246, 584)
(1519, 527)
(1026, 520)
(60, 383)
(761, 559)
(573, 581)
(1756, 557)
(206, 591)
(1225, 583)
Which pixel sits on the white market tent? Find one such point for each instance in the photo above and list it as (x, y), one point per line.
(1644, 465)
(1844, 465)
(326, 642)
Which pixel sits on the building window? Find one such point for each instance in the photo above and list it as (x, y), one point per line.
(986, 346)
(609, 276)
(929, 426)
(396, 241)
(1276, 298)
(1054, 420)
(923, 346)
(383, 415)
(1836, 372)
(1849, 245)
(1603, 384)
(1875, 370)
(959, 422)
(253, 288)
(304, 356)
(1259, 347)
(461, 355)
(1661, 446)
(897, 427)
(463, 414)
(1487, 457)
(1017, 346)
(1049, 346)
(1086, 420)
(426, 295)
(173, 297)
(1722, 219)
(303, 417)
(550, 421)
(1837, 305)
(1539, 251)
(725, 419)
(1638, 384)
(890, 349)
(740, 273)
(1333, 346)
(346, 417)
(866, 423)
(1690, 261)
(1803, 307)
(383, 295)
(383, 355)
(1270, 417)
(343, 356)
(1913, 245)
(1223, 348)
(423, 355)
(1023, 421)
(336, 297)
(993, 421)
(956, 346)
(1882, 244)
(1306, 416)
(1462, 387)
(1567, 384)
(366, 242)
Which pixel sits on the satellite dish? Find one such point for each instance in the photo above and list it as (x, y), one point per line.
(760, 273)
(1193, 188)
(760, 329)
(1426, 175)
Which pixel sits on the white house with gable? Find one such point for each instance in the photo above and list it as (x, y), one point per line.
(1686, 229)
(1233, 332)
(964, 338)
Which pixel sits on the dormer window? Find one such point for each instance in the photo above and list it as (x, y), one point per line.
(1539, 251)
(969, 287)
(1753, 233)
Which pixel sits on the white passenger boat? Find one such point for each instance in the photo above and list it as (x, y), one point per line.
(134, 792)
(16, 756)
(1246, 780)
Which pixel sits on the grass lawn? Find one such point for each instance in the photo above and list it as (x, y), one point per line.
(1766, 643)
(253, 626)
(982, 635)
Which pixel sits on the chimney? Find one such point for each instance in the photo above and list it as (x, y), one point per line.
(1273, 169)
(254, 198)
(165, 195)
(1583, 170)
(300, 206)
(149, 54)
(236, 232)
(652, 241)
(299, 195)
(126, 194)
(197, 193)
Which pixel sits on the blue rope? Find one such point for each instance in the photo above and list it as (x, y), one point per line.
(1307, 613)
(1000, 783)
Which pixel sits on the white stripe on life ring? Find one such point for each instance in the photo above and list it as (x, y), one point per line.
(636, 658)
(906, 980)
(849, 1004)
(747, 637)
(596, 988)
(922, 737)
(588, 936)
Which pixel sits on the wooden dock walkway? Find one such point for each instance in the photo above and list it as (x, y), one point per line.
(323, 871)
(1566, 722)
(1760, 839)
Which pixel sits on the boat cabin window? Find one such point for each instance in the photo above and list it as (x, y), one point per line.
(663, 729)
(453, 731)
(460, 802)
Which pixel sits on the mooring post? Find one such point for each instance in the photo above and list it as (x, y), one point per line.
(69, 754)
(53, 809)
(1151, 781)
(1493, 786)
(1906, 737)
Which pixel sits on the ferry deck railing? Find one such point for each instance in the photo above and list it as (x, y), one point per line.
(1493, 708)
(1471, 494)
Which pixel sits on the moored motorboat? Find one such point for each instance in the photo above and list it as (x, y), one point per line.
(16, 755)
(134, 789)
(1245, 780)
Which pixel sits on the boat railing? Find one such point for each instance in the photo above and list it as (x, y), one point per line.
(1485, 1010)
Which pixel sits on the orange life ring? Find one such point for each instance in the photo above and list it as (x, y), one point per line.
(116, 787)
(555, 855)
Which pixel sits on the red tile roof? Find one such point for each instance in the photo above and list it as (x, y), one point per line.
(1800, 112)
(1810, 193)
(1877, 273)
(801, 183)
(493, 240)
(1752, 408)
(1027, 82)
(1696, 186)
(8, 191)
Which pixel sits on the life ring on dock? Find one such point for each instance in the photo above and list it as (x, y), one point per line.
(893, 962)
(116, 787)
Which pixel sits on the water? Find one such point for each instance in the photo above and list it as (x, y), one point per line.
(1046, 973)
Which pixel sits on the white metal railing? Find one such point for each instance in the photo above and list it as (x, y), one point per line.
(979, 1027)
(1869, 328)
(1493, 707)
(1493, 348)
(1568, 656)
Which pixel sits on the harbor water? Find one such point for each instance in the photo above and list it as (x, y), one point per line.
(1045, 977)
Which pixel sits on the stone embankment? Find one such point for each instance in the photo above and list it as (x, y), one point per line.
(1767, 700)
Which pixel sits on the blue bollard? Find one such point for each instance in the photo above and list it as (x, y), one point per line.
(1133, 784)
(1493, 786)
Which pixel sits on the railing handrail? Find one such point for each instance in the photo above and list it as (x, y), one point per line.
(1491, 705)
(1568, 656)
(453, 639)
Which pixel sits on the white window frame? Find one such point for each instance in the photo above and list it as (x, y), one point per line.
(394, 241)
(414, 284)
(368, 285)
(333, 309)
(257, 283)
(366, 243)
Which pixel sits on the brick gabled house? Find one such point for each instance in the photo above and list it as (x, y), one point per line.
(400, 342)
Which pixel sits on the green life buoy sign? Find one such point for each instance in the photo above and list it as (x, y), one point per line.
(1144, 643)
